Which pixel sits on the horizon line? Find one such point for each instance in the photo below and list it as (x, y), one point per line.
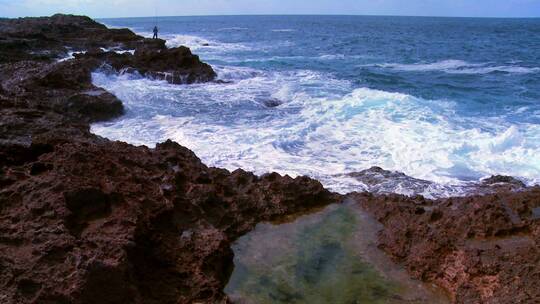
(337, 15)
(254, 15)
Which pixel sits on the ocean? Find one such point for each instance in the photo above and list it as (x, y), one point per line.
(446, 100)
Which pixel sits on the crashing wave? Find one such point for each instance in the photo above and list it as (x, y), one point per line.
(198, 43)
(323, 135)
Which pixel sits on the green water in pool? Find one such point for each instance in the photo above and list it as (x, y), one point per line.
(326, 257)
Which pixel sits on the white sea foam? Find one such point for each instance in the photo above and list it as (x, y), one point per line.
(324, 136)
(227, 29)
(70, 56)
(199, 43)
(460, 67)
(196, 43)
(283, 30)
(110, 26)
(118, 50)
(325, 57)
(437, 66)
(504, 69)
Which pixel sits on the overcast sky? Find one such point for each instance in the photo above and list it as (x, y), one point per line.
(132, 8)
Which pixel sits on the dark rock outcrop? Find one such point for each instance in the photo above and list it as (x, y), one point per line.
(93, 221)
(505, 183)
(41, 89)
(48, 39)
(177, 65)
(378, 180)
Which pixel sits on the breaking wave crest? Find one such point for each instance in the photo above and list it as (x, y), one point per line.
(199, 43)
(325, 136)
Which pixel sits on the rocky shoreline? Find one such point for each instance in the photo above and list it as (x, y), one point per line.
(88, 220)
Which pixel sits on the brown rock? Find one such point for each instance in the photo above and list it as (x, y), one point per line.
(95, 104)
(481, 249)
(97, 221)
(176, 65)
(87, 220)
(46, 38)
(50, 38)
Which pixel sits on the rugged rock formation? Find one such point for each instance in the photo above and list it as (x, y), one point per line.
(87, 220)
(51, 38)
(481, 249)
(378, 180)
(93, 221)
(177, 65)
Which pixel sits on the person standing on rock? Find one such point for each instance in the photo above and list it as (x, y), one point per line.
(155, 32)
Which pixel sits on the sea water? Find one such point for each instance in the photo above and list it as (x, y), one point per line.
(447, 100)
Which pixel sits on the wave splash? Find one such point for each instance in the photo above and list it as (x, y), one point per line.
(199, 43)
(323, 136)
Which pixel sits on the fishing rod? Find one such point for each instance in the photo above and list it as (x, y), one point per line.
(155, 29)
(155, 14)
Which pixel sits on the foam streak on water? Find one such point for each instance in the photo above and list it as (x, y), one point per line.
(461, 67)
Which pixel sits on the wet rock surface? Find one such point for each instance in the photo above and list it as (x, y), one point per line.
(481, 249)
(176, 66)
(94, 221)
(49, 39)
(378, 180)
(87, 220)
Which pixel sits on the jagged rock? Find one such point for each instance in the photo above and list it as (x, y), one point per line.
(500, 179)
(481, 249)
(378, 180)
(114, 223)
(49, 38)
(87, 220)
(94, 105)
(176, 65)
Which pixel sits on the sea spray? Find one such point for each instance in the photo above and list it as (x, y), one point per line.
(339, 95)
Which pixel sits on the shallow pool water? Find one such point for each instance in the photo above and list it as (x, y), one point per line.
(326, 257)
